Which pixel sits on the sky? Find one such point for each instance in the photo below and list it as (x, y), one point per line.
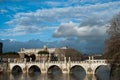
(79, 24)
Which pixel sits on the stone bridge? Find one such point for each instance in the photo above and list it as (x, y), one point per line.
(90, 66)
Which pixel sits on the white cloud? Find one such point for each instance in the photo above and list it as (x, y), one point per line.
(21, 30)
(2, 11)
(53, 3)
(68, 13)
(72, 29)
(15, 8)
(36, 21)
(66, 29)
(12, 40)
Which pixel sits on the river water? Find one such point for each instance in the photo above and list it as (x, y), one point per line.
(101, 74)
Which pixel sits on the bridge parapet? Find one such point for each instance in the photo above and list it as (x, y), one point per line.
(16, 63)
(75, 62)
(56, 62)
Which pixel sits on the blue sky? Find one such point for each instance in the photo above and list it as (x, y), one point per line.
(65, 21)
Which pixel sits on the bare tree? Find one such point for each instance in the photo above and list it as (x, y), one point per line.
(113, 43)
(113, 47)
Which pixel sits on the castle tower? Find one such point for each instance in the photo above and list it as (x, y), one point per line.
(1, 46)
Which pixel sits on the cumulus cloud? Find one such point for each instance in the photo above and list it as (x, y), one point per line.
(41, 18)
(57, 3)
(66, 29)
(53, 3)
(72, 29)
(68, 13)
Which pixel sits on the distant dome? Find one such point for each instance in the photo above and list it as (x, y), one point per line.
(45, 47)
(65, 47)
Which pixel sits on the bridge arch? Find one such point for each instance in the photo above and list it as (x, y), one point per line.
(17, 69)
(104, 66)
(104, 69)
(34, 69)
(52, 69)
(77, 68)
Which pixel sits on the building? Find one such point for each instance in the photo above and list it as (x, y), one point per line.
(55, 54)
(73, 54)
(1, 46)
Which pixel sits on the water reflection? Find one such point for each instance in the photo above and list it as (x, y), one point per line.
(102, 74)
(90, 77)
(48, 77)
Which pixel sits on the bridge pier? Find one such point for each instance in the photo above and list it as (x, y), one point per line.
(25, 69)
(90, 70)
(65, 70)
(44, 68)
(43, 71)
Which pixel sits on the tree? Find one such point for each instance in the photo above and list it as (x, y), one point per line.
(11, 53)
(43, 52)
(113, 47)
(113, 43)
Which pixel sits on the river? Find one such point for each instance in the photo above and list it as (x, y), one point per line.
(101, 74)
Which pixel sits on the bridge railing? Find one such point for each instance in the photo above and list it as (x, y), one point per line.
(69, 61)
(46, 62)
(90, 61)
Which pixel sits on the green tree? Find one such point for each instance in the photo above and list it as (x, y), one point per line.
(113, 47)
(10, 53)
(43, 52)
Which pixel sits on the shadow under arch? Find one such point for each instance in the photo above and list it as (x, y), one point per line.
(77, 72)
(102, 72)
(34, 69)
(103, 68)
(16, 70)
(54, 69)
(77, 68)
